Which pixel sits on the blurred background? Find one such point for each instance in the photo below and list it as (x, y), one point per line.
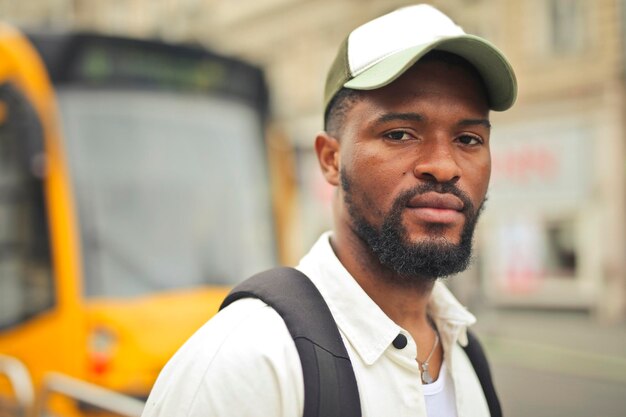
(155, 152)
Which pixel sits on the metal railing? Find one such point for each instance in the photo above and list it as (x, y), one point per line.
(88, 394)
(22, 404)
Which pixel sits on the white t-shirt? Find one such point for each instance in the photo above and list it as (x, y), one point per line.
(439, 395)
(243, 362)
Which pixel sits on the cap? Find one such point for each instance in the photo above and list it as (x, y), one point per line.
(381, 50)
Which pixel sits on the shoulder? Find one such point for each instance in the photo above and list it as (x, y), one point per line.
(242, 362)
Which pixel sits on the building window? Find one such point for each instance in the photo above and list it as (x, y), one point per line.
(567, 29)
(560, 248)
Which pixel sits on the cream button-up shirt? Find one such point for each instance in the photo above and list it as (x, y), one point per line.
(243, 362)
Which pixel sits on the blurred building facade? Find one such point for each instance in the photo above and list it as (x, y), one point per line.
(554, 232)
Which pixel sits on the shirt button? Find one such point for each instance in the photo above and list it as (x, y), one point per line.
(400, 341)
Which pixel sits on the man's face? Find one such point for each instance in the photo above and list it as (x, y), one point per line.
(415, 166)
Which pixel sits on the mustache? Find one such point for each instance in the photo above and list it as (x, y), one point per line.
(441, 188)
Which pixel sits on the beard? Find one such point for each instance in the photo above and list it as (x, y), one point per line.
(421, 262)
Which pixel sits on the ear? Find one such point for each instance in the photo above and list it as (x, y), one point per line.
(327, 149)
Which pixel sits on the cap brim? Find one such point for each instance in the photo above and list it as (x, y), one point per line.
(491, 64)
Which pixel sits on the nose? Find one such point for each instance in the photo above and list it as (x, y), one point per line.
(436, 163)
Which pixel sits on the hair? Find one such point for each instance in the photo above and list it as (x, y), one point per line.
(345, 98)
(415, 264)
(338, 108)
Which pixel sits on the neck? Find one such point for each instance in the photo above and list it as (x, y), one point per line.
(403, 302)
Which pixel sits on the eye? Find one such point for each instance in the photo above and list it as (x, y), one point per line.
(398, 135)
(470, 140)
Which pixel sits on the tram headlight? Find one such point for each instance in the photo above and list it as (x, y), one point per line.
(102, 343)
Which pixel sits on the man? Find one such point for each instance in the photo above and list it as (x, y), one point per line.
(406, 143)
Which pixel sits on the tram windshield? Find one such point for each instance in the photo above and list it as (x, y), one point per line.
(171, 189)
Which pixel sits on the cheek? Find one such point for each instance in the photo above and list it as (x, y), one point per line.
(477, 177)
(374, 179)
(384, 172)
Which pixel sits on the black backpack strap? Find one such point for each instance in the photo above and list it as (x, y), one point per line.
(330, 388)
(477, 357)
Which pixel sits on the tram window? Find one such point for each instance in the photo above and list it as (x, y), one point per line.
(26, 287)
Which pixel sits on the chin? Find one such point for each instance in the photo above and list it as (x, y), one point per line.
(437, 234)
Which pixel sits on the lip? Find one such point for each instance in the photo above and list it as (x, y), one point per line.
(432, 200)
(437, 208)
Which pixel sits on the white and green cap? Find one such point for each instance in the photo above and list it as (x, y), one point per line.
(381, 50)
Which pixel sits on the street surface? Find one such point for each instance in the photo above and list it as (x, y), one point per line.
(552, 364)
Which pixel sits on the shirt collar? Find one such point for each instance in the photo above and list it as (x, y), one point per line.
(450, 316)
(365, 326)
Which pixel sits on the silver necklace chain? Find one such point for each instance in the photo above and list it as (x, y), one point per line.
(426, 376)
